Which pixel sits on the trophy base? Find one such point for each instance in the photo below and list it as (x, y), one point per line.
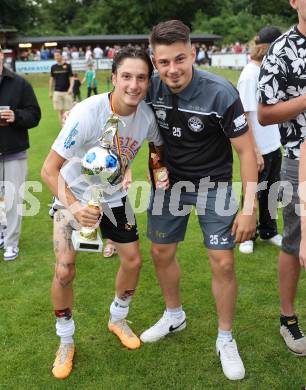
(80, 244)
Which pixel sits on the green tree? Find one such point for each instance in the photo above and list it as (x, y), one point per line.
(240, 20)
(137, 16)
(115, 16)
(21, 14)
(280, 8)
(234, 19)
(58, 17)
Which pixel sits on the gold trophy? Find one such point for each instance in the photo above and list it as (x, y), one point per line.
(103, 169)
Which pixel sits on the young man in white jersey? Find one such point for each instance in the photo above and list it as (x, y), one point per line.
(130, 76)
(267, 141)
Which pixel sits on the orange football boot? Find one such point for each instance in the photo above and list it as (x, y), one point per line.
(125, 333)
(62, 365)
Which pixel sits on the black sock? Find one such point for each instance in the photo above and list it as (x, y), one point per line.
(291, 323)
(285, 319)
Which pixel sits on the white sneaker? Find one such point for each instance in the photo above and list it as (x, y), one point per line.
(163, 327)
(10, 253)
(246, 247)
(276, 240)
(231, 362)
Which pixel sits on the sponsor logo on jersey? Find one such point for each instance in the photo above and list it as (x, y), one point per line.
(69, 141)
(240, 122)
(162, 124)
(161, 114)
(195, 124)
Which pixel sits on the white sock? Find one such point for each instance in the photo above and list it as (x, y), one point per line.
(176, 312)
(224, 335)
(65, 330)
(119, 309)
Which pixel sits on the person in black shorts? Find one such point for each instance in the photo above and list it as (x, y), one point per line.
(200, 117)
(61, 85)
(85, 124)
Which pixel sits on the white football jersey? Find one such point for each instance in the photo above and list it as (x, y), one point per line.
(81, 131)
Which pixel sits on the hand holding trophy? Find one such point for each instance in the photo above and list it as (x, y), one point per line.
(101, 163)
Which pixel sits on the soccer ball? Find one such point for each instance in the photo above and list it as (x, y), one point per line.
(103, 163)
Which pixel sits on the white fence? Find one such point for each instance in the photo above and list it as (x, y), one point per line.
(230, 60)
(218, 60)
(45, 66)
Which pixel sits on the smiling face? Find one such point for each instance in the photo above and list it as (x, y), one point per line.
(131, 81)
(174, 64)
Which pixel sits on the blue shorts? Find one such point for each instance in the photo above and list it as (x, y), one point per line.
(169, 211)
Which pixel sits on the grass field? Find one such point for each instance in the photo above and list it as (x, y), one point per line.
(185, 361)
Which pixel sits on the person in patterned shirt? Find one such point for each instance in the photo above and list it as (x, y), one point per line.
(282, 99)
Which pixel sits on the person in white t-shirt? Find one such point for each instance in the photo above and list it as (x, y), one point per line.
(131, 71)
(267, 142)
(75, 55)
(88, 54)
(98, 52)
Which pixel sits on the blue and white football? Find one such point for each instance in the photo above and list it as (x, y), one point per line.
(99, 161)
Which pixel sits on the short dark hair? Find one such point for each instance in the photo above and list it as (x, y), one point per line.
(59, 51)
(131, 52)
(169, 32)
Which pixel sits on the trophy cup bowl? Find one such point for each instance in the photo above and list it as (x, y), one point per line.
(103, 169)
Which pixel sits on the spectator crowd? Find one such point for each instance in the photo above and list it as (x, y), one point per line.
(203, 57)
(70, 53)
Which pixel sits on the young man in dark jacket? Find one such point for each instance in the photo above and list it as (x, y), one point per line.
(19, 111)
